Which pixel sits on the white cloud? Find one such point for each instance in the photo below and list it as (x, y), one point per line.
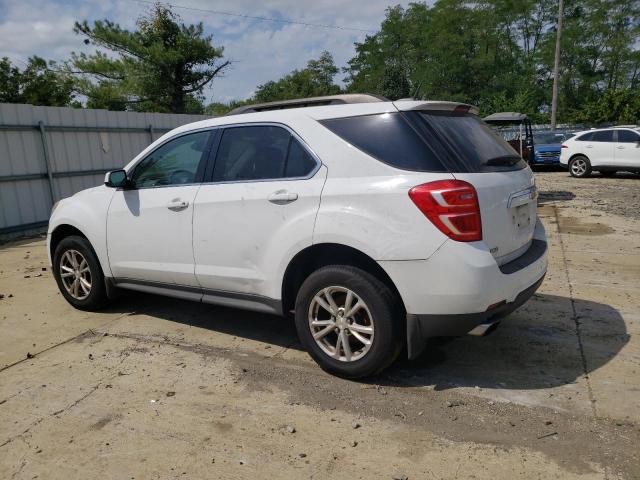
(260, 50)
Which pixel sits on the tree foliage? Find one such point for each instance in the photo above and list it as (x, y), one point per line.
(37, 84)
(163, 66)
(314, 80)
(499, 54)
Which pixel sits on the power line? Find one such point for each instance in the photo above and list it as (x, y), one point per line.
(264, 19)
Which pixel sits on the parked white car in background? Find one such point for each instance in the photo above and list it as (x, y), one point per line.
(606, 150)
(378, 224)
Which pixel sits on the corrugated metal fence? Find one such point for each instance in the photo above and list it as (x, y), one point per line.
(48, 153)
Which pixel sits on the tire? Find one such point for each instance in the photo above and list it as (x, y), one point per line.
(380, 312)
(580, 167)
(608, 173)
(75, 254)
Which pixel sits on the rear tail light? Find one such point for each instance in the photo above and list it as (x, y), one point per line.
(452, 206)
(564, 146)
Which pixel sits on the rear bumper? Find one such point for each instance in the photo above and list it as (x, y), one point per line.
(461, 286)
(422, 327)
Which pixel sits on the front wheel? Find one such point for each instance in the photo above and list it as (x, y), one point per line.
(348, 321)
(78, 273)
(580, 167)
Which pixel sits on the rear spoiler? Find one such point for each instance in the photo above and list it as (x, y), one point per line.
(406, 105)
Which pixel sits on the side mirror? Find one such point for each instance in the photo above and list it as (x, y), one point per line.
(116, 179)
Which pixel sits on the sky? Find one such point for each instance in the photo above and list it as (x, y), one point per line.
(260, 50)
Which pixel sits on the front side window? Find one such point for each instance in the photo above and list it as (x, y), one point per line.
(603, 136)
(627, 136)
(179, 161)
(260, 153)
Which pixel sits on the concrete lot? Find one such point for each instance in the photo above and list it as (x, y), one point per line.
(160, 388)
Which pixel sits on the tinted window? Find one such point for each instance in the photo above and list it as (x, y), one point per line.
(299, 162)
(178, 161)
(603, 136)
(260, 153)
(587, 137)
(627, 136)
(389, 138)
(472, 145)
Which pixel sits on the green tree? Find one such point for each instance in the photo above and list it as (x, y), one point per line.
(163, 66)
(499, 54)
(314, 80)
(38, 84)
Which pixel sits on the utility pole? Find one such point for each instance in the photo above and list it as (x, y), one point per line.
(556, 67)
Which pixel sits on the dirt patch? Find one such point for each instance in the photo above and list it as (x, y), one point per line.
(619, 195)
(577, 226)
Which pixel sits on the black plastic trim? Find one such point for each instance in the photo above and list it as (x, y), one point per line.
(231, 299)
(422, 327)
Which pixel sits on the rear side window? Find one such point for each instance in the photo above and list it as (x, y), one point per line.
(428, 141)
(627, 136)
(603, 136)
(389, 138)
(472, 145)
(260, 153)
(587, 137)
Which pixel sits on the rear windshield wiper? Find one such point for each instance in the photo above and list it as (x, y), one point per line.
(503, 161)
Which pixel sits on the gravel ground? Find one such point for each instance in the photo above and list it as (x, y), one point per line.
(160, 388)
(618, 195)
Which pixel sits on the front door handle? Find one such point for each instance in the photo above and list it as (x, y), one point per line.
(589, 146)
(176, 205)
(620, 147)
(282, 197)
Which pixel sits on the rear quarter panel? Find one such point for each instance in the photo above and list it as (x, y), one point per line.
(365, 203)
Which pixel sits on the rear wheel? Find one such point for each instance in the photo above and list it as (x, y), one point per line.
(579, 166)
(348, 321)
(78, 274)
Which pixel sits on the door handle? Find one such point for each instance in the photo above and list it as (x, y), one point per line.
(620, 147)
(176, 205)
(282, 197)
(589, 146)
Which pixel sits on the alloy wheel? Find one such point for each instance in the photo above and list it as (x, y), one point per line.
(341, 323)
(578, 167)
(75, 274)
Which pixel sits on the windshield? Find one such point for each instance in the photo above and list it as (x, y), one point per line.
(549, 137)
(471, 141)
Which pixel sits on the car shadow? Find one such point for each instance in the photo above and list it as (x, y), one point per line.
(271, 329)
(546, 196)
(535, 347)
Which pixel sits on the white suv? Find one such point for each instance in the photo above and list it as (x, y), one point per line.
(377, 224)
(606, 150)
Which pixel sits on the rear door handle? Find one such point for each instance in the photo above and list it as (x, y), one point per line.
(282, 197)
(176, 205)
(620, 147)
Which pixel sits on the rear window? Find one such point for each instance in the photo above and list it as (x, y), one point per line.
(472, 145)
(428, 141)
(389, 138)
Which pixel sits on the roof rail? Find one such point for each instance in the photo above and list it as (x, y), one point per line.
(310, 102)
